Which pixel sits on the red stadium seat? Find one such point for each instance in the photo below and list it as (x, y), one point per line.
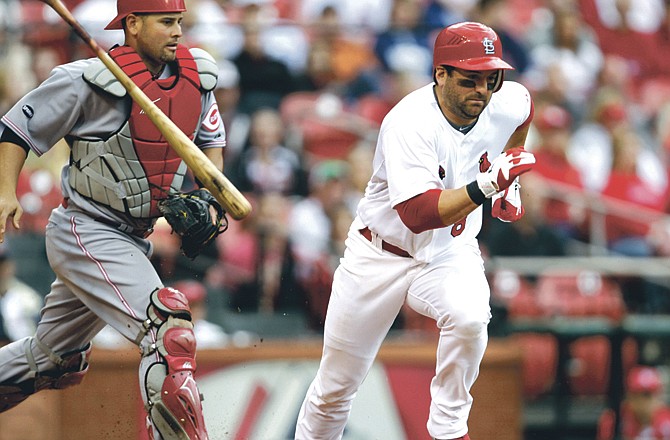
(580, 293)
(538, 364)
(327, 130)
(516, 294)
(372, 108)
(297, 106)
(320, 140)
(583, 294)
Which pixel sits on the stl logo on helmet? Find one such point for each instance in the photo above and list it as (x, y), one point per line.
(489, 47)
(484, 163)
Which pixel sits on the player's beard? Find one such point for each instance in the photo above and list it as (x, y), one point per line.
(156, 58)
(168, 57)
(462, 106)
(471, 107)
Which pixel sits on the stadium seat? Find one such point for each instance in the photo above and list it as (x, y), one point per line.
(538, 363)
(539, 349)
(580, 293)
(325, 128)
(372, 108)
(516, 294)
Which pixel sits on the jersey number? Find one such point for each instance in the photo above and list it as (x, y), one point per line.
(458, 227)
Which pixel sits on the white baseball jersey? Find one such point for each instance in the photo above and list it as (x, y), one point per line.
(418, 150)
(416, 147)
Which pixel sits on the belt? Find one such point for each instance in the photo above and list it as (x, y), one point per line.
(141, 233)
(116, 225)
(388, 247)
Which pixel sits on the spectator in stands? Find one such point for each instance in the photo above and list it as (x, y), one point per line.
(238, 254)
(591, 147)
(632, 30)
(256, 267)
(20, 304)
(566, 67)
(264, 80)
(369, 15)
(317, 281)
(338, 60)
(644, 413)
(628, 226)
(627, 233)
(207, 333)
(319, 73)
(438, 14)
(405, 45)
(310, 223)
(267, 165)
(237, 123)
(359, 161)
(554, 124)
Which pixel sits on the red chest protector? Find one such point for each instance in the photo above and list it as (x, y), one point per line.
(179, 97)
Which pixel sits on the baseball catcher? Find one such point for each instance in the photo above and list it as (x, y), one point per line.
(122, 175)
(196, 216)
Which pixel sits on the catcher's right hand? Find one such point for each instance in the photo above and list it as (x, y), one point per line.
(190, 217)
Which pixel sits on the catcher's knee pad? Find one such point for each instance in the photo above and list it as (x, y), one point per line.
(70, 370)
(173, 400)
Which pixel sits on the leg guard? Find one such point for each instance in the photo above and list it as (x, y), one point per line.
(70, 371)
(174, 402)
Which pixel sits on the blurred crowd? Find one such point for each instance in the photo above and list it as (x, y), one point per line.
(304, 85)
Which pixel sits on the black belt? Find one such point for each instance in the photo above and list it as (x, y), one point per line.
(141, 233)
(388, 247)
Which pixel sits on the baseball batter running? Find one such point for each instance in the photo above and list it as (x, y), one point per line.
(442, 151)
(121, 176)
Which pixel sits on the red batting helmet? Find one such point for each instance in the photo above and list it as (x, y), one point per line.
(470, 46)
(125, 7)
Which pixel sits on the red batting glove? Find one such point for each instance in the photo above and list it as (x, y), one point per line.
(506, 205)
(504, 170)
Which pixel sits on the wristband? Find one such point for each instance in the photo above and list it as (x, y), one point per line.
(476, 194)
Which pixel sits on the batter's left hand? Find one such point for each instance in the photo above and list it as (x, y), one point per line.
(506, 205)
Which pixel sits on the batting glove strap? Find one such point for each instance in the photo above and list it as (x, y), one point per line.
(486, 185)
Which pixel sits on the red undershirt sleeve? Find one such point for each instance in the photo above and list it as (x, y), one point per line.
(420, 213)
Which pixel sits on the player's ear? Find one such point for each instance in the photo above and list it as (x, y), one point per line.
(439, 74)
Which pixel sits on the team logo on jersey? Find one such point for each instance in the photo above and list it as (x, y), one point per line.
(441, 172)
(28, 111)
(484, 163)
(489, 47)
(212, 119)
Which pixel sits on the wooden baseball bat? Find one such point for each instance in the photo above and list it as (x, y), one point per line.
(204, 170)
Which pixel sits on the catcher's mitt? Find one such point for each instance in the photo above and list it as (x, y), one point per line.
(190, 218)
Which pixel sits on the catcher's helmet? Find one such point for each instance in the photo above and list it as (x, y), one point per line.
(470, 46)
(125, 7)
